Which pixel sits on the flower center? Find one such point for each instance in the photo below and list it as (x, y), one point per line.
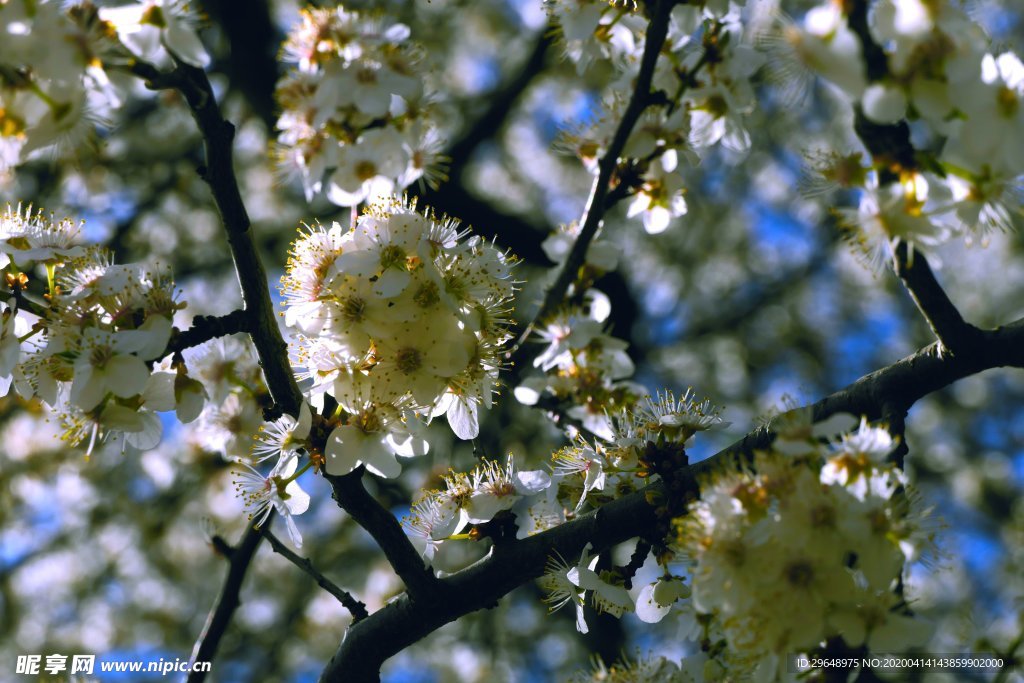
(408, 360)
(799, 574)
(365, 170)
(100, 356)
(427, 295)
(366, 76)
(352, 309)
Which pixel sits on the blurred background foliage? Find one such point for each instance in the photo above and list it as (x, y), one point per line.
(750, 298)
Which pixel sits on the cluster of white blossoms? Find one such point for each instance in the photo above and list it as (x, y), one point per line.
(581, 477)
(48, 67)
(230, 424)
(704, 74)
(401, 317)
(54, 86)
(966, 102)
(472, 498)
(356, 117)
(90, 348)
(584, 367)
(795, 550)
(807, 543)
(939, 72)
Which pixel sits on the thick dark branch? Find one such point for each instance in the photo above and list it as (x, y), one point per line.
(885, 392)
(227, 602)
(890, 145)
(657, 29)
(207, 327)
(404, 621)
(941, 315)
(353, 497)
(355, 607)
(892, 390)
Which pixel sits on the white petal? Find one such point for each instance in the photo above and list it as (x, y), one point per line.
(126, 375)
(298, 500)
(647, 609)
(293, 531)
(382, 463)
(533, 481)
(408, 448)
(189, 400)
(183, 42)
(149, 436)
(462, 416)
(340, 458)
(159, 392)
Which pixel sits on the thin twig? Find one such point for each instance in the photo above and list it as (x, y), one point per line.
(355, 607)
(657, 29)
(221, 546)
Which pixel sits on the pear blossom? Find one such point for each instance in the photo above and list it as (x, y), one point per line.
(277, 490)
(356, 117)
(581, 460)
(287, 434)
(607, 597)
(659, 199)
(363, 442)
(668, 418)
(823, 44)
(399, 316)
(497, 488)
(103, 367)
(563, 591)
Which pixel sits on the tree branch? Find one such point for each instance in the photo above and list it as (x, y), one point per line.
(355, 607)
(368, 644)
(353, 497)
(227, 601)
(404, 621)
(207, 327)
(890, 145)
(219, 173)
(939, 312)
(657, 29)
